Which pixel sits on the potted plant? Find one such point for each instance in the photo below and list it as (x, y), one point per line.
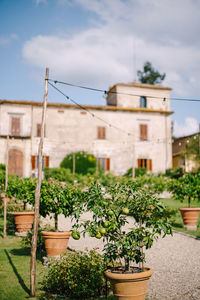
(56, 198)
(22, 189)
(128, 220)
(187, 188)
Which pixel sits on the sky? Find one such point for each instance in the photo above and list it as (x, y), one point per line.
(98, 43)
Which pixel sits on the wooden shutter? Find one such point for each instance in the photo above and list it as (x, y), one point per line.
(46, 161)
(139, 163)
(15, 126)
(150, 165)
(101, 133)
(33, 162)
(107, 164)
(38, 129)
(143, 132)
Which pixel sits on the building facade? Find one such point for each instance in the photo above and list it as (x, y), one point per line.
(132, 130)
(180, 159)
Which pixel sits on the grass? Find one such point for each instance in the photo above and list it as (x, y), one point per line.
(177, 221)
(15, 270)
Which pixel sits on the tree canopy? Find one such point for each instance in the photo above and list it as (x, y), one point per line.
(150, 75)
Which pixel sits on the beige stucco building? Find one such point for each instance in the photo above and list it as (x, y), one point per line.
(133, 129)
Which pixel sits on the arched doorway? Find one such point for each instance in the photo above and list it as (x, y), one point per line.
(15, 162)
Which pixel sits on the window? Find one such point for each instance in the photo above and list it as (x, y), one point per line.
(101, 133)
(145, 163)
(143, 132)
(35, 161)
(143, 102)
(104, 163)
(39, 130)
(15, 126)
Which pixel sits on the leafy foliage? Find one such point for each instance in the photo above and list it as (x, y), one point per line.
(186, 187)
(79, 275)
(111, 207)
(150, 75)
(174, 172)
(138, 172)
(2, 167)
(84, 162)
(60, 174)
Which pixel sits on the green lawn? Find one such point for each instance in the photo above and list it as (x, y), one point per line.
(15, 270)
(177, 219)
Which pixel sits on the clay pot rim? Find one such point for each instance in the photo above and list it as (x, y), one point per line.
(130, 276)
(55, 233)
(15, 213)
(189, 208)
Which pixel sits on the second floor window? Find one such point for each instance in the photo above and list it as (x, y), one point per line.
(143, 102)
(143, 132)
(39, 130)
(15, 126)
(101, 132)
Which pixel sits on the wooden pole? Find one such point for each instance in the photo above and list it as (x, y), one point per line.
(74, 163)
(37, 194)
(5, 198)
(97, 167)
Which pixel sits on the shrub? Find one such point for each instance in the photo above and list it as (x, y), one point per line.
(2, 167)
(138, 172)
(78, 275)
(60, 174)
(84, 162)
(174, 172)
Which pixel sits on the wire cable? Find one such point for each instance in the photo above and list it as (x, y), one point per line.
(87, 110)
(118, 93)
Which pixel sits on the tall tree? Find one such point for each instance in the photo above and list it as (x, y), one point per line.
(150, 75)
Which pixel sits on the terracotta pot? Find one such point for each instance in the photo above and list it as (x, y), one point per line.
(55, 242)
(129, 286)
(190, 216)
(23, 220)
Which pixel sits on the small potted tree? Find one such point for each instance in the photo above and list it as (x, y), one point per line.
(123, 217)
(55, 199)
(187, 188)
(22, 189)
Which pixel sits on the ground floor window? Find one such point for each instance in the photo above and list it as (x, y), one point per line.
(104, 163)
(145, 163)
(35, 161)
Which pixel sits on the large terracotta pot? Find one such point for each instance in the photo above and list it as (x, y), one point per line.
(55, 242)
(190, 216)
(129, 286)
(23, 220)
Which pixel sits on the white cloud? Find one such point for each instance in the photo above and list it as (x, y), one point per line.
(164, 32)
(189, 126)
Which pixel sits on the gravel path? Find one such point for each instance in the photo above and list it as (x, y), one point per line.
(175, 261)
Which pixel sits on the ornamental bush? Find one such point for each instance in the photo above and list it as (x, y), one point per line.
(60, 174)
(78, 275)
(84, 162)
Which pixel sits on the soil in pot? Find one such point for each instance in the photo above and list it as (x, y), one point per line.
(130, 285)
(190, 216)
(55, 242)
